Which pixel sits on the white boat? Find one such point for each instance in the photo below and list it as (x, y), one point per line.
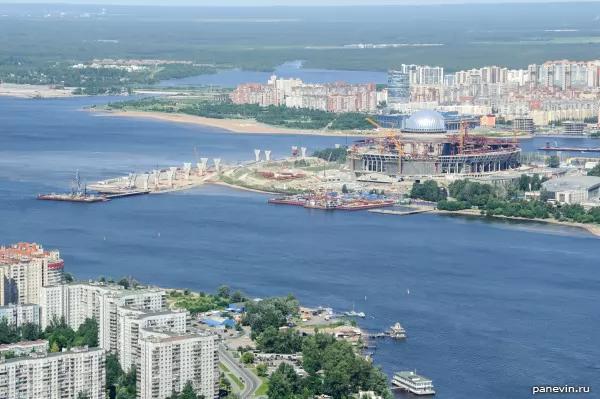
(397, 331)
(412, 382)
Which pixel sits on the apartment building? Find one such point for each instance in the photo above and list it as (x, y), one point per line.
(338, 97)
(78, 301)
(55, 375)
(168, 360)
(131, 320)
(20, 314)
(24, 269)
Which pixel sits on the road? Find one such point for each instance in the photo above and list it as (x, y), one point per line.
(251, 381)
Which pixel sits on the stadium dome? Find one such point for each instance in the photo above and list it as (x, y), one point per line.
(425, 121)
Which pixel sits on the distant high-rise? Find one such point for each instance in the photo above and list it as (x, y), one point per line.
(398, 87)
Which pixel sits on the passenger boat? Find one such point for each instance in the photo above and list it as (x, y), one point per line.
(397, 331)
(412, 382)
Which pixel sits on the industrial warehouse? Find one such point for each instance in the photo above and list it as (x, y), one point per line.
(456, 154)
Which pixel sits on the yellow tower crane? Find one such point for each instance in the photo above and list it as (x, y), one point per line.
(391, 135)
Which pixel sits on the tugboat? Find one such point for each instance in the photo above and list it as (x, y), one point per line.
(412, 382)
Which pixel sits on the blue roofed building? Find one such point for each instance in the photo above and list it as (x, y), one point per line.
(219, 322)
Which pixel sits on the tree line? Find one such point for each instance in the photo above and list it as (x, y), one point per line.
(293, 118)
(491, 201)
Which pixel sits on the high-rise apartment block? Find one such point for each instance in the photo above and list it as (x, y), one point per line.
(24, 269)
(169, 360)
(63, 375)
(17, 315)
(131, 320)
(78, 301)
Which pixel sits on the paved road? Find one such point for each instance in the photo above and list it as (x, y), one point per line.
(251, 381)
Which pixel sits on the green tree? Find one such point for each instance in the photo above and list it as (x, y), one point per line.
(344, 189)
(113, 374)
(110, 280)
(54, 348)
(188, 392)
(248, 358)
(31, 332)
(83, 395)
(68, 277)
(124, 282)
(428, 191)
(237, 296)
(553, 161)
(102, 279)
(270, 312)
(186, 292)
(284, 342)
(223, 291)
(262, 369)
(595, 171)
(544, 195)
(284, 383)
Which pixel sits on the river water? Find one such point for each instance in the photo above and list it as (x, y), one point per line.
(494, 308)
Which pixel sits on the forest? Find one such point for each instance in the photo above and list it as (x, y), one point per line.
(293, 118)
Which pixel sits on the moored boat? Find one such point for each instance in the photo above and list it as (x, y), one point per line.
(412, 382)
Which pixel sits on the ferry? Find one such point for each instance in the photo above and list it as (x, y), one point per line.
(412, 382)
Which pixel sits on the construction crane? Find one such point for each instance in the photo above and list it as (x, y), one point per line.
(391, 135)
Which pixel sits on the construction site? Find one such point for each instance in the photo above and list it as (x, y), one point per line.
(394, 158)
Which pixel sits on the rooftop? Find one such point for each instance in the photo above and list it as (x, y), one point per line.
(572, 183)
(414, 377)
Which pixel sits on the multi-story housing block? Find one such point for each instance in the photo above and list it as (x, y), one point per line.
(169, 360)
(64, 375)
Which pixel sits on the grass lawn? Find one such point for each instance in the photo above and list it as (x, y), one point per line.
(236, 381)
(264, 386)
(224, 368)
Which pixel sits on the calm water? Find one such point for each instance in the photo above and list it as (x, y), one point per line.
(232, 78)
(494, 307)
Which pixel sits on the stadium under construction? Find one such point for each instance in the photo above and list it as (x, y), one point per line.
(460, 154)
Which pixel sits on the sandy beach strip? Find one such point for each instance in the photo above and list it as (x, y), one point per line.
(33, 91)
(233, 125)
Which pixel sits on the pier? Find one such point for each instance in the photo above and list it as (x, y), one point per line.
(570, 149)
(126, 194)
(400, 213)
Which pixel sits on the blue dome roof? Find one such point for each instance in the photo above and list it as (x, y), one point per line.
(425, 121)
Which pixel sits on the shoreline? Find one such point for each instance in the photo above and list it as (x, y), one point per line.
(254, 190)
(593, 229)
(246, 126)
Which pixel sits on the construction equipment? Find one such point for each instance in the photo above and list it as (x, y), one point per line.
(391, 135)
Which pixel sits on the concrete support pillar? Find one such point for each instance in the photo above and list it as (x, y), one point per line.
(156, 177)
(200, 168)
(173, 170)
(145, 179)
(268, 155)
(187, 168)
(303, 151)
(257, 155)
(170, 177)
(217, 163)
(204, 163)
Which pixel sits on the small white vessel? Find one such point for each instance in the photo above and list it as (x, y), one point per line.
(397, 331)
(412, 382)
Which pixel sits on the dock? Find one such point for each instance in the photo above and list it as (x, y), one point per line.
(126, 194)
(400, 213)
(570, 149)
